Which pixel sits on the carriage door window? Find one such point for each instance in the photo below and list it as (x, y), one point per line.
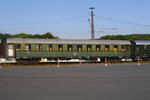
(27, 47)
(106, 47)
(11, 52)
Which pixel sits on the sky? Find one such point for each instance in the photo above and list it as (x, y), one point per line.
(68, 19)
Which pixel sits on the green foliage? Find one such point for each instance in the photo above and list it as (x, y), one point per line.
(127, 37)
(25, 35)
(47, 35)
(4, 36)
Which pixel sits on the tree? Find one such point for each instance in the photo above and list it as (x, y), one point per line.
(4, 36)
(48, 35)
(127, 37)
(25, 35)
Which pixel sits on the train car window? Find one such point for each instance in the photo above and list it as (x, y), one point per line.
(137, 49)
(60, 48)
(145, 46)
(49, 48)
(79, 47)
(115, 48)
(38, 47)
(89, 47)
(106, 47)
(18, 47)
(70, 48)
(122, 48)
(27, 47)
(127, 48)
(98, 47)
(10, 46)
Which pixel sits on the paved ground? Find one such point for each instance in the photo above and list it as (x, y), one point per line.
(76, 82)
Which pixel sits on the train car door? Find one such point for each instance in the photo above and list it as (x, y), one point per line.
(11, 50)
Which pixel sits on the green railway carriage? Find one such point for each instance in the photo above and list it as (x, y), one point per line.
(66, 48)
(140, 48)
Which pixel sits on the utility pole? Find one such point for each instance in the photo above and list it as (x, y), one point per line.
(92, 23)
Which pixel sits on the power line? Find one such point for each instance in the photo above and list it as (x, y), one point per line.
(127, 8)
(123, 22)
(141, 18)
(55, 21)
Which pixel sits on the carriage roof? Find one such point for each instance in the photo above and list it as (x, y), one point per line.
(66, 41)
(141, 42)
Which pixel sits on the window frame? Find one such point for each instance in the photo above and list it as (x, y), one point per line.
(49, 47)
(29, 47)
(38, 47)
(60, 47)
(89, 48)
(115, 49)
(70, 48)
(79, 48)
(98, 48)
(107, 48)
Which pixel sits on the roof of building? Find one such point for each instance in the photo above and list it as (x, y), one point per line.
(66, 41)
(142, 42)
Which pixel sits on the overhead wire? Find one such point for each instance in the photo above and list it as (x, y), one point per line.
(143, 15)
(123, 22)
(126, 8)
(136, 2)
(51, 22)
(141, 18)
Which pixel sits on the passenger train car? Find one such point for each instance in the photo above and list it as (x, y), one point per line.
(50, 49)
(140, 49)
(69, 50)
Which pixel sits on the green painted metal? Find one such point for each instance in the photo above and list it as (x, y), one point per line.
(33, 47)
(44, 47)
(74, 47)
(65, 47)
(84, 47)
(111, 47)
(119, 47)
(102, 47)
(55, 47)
(67, 53)
(74, 53)
(93, 47)
(22, 46)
